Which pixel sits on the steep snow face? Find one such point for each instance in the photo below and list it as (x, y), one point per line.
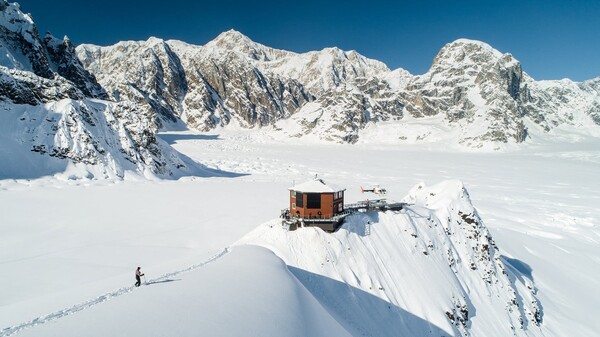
(398, 79)
(106, 140)
(431, 269)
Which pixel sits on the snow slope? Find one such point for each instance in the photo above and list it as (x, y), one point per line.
(249, 292)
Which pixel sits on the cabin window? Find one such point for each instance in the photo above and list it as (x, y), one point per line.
(293, 194)
(313, 200)
(340, 207)
(293, 205)
(299, 199)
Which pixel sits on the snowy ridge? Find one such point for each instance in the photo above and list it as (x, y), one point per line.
(435, 260)
(100, 299)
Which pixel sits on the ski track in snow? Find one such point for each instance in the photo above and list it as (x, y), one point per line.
(85, 305)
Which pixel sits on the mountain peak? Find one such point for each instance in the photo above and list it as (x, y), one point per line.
(473, 46)
(152, 40)
(231, 37)
(469, 52)
(13, 19)
(232, 40)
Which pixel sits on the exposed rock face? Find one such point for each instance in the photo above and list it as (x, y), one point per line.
(205, 87)
(146, 73)
(470, 250)
(64, 60)
(339, 114)
(233, 78)
(24, 87)
(477, 91)
(229, 86)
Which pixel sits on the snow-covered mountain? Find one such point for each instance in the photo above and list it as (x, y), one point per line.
(51, 106)
(376, 264)
(481, 95)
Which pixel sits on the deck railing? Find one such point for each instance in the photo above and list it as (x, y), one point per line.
(377, 204)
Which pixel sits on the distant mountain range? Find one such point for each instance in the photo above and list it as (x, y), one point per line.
(472, 96)
(472, 89)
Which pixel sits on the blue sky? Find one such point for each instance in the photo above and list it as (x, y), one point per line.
(552, 39)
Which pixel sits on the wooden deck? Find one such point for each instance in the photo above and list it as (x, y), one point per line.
(334, 223)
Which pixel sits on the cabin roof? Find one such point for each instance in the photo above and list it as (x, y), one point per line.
(316, 186)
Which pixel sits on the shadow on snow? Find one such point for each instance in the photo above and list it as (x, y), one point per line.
(360, 223)
(518, 270)
(362, 313)
(172, 138)
(519, 265)
(162, 281)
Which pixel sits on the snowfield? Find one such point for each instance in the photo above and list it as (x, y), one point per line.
(218, 262)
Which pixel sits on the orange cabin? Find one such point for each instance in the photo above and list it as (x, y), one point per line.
(316, 200)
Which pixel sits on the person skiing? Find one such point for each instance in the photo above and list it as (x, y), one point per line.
(138, 275)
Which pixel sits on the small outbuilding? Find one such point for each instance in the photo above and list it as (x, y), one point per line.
(316, 200)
